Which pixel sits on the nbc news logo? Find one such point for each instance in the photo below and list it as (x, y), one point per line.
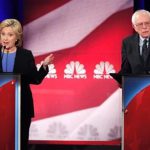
(75, 70)
(102, 70)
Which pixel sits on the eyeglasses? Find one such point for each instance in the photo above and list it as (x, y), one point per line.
(143, 24)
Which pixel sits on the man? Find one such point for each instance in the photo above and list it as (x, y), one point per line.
(136, 60)
(133, 59)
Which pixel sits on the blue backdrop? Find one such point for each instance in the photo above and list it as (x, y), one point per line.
(11, 9)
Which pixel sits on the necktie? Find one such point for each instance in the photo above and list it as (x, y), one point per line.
(144, 50)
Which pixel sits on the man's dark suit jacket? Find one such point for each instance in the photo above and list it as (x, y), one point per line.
(132, 62)
(25, 66)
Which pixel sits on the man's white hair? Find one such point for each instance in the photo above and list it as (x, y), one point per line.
(138, 12)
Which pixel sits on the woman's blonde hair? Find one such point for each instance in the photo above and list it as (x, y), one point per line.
(17, 28)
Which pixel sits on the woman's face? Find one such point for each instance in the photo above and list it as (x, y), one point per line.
(8, 37)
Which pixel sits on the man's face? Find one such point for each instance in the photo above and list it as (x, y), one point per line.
(142, 25)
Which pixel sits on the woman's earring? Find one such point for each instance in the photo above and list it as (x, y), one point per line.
(16, 42)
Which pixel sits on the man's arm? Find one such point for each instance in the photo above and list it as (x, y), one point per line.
(125, 66)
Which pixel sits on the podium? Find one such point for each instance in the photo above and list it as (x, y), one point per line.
(136, 112)
(9, 112)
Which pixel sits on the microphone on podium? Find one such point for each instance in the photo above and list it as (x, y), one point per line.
(2, 55)
(2, 51)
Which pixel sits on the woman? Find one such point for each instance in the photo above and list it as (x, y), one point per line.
(15, 59)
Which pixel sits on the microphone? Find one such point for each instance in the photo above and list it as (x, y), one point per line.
(2, 51)
(2, 55)
(3, 46)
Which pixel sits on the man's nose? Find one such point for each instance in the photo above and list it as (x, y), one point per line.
(144, 25)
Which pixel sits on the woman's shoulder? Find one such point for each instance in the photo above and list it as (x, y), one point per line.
(23, 50)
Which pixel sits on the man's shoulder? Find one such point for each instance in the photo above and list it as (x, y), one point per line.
(131, 37)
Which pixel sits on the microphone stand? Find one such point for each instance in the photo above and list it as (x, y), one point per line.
(7, 60)
(2, 52)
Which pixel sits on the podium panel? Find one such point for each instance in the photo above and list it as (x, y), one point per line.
(10, 112)
(136, 100)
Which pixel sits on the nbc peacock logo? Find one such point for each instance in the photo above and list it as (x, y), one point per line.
(103, 69)
(52, 71)
(75, 70)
